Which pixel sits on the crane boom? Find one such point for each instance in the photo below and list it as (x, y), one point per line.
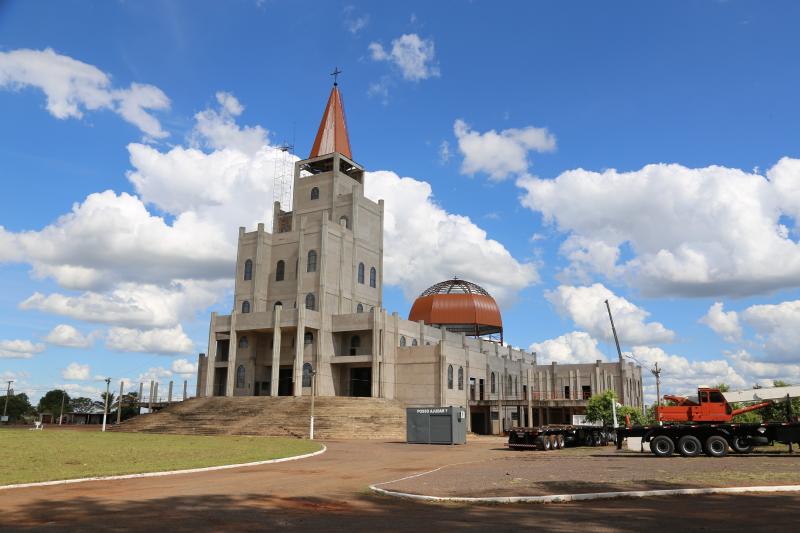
(759, 395)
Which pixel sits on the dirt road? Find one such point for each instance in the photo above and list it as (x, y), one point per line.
(329, 493)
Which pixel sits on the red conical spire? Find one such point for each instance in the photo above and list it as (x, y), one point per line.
(332, 133)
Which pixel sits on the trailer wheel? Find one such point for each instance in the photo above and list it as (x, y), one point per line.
(540, 443)
(662, 446)
(560, 439)
(689, 446)
(716, 446)
(553, 442)
(547, 443)
(741, 445)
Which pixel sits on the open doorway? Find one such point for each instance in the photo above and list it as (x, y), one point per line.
(361, 382)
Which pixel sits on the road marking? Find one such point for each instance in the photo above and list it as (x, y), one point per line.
(165, 473)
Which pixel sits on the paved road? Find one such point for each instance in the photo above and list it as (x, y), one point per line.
(328, 493)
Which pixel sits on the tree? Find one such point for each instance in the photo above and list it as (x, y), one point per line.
(598, 409)
(51, 402)
(100, 404)
(81, 405)
(18, 406)
(777, 411)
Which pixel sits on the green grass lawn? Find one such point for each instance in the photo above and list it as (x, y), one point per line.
(30, 456)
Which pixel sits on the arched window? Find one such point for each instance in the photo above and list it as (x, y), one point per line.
(308, 338)
(373, 277)
(248, 270)
(240, 377)
(279, 270)
(311, 266)
(276, 304)
(306, 374)
(245, 306)
(509, 385)
(243, 342)
(461, 378)
(344, 222)
(402, 341)
(361, 273)
(315, 193)
(414, 342)
(360, 308)
(516, 383)
(355, 344)
(311, 301)
(493, 384)
(450, 377)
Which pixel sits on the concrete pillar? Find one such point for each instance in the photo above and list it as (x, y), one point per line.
(119, 401)
(276, 350)
(376, 358)
(150, 402)
(529, 397)
(155, 392)
(233, 347)
(185, 384)
(169, 394)
(299, 350)
(139, 398)
(212, 356)
(578, 387)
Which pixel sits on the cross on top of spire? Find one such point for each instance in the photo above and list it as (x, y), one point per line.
(335, 75)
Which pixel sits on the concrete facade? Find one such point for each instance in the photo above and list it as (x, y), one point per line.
(307, 298)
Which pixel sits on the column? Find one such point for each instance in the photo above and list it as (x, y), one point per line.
(578, 388)
(232, 350)
(529, 397)
(276, 349)
(212, 355)
(299, 350)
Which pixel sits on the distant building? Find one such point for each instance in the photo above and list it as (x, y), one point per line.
(308, 300)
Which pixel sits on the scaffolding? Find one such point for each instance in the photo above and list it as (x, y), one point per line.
(283, 176)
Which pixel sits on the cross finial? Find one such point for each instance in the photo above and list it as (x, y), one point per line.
(335, 75)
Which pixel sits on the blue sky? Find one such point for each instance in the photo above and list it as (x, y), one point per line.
(496, 108)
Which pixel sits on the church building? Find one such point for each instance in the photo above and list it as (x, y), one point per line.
(308, 317)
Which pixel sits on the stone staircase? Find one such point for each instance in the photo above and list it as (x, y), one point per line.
(334, 417)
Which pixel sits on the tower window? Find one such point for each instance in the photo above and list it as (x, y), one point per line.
(311, 265)
(493, 383)
(450, 377)
(315, 193)
(248, 270)
(461, 378)
(402, 341)
(311, 301)
(240, 377)
(361, 273)
(280, 270)
(245, 306)
(373, 277)
(360, 308)
(307, 374)
(355, 344)
(308, 338)
(344, 222)
(414, 342)
(243, 342)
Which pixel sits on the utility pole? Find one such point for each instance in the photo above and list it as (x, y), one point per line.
(63, 396)
(8, 393)
(657, 373)
(619, 353)
(105, 404)
(119, 402)
(313, 387)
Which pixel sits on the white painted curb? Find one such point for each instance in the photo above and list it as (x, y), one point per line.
(559, 498)
(166, 473)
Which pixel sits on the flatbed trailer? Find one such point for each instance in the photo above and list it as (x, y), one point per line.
(691, 440)
(555, 437)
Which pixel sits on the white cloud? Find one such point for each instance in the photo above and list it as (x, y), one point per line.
(570, 348)
(691, 232)
(66, 335)
(444, 152)
(586, 307)
(764, 373)
(162, 341)
(76, 371)
(19, 349)
(425, 244)
(72, 87)
(725, 324)
(354, 23)
(414, 56)
(778, 328)
(183, 366)
(217, 129)
(500, 154)
(154, 373)
(76, 390)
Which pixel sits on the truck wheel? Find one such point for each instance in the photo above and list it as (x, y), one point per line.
(662, 446)
(547, 442)
(561, 442)
(553, 442)
(540, 443)
(741, 445)
(716, 446)
(689, 446)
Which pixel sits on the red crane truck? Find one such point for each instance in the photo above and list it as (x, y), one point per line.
(704, 424)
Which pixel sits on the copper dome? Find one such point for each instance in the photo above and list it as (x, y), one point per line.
(458, 305)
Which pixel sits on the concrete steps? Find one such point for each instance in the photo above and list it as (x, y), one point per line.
(334, 417)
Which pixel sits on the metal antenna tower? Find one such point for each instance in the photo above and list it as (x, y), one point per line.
(283, 175)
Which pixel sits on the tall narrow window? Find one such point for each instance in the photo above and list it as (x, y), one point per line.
(315, 193)
(308, 338)
(359, 308)
(343, 222)
(414, 342)
(355, 344)
(248, 270)
(280, 270)
(361, 273)
(373, 277)
(243, 342)
(245, 306)
(311, 301)
(461, 378)
(240, 377)
(450, 377)
(307, 374)
(311, 265)
(493, 384)
(402, 341)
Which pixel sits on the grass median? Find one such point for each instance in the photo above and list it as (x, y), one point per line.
(31, 456)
